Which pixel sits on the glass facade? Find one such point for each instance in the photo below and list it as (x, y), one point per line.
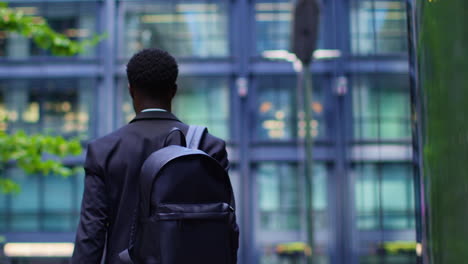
(279, 211)
(76, 20)
(184, 28)
(381, 107)
(277, 113)
(378, 27)
(384, 195)
(199, 101)
(273, 22)
(362, 175)
(45, 204)
(51, 106)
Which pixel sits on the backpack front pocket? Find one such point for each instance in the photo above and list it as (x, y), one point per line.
(194, 233)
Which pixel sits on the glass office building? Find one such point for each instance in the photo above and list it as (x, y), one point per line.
(363, 196)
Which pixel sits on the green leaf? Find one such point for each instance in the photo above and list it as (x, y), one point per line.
(40, 32)
(8, 186)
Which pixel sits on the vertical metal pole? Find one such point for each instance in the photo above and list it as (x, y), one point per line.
(240, 50)
(416, 107)
(304, 100)
(309, 175)
(106, 92)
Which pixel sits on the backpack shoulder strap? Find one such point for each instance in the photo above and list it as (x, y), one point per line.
(194, 136)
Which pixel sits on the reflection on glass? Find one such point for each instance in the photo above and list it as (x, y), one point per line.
(199, 101)
(59, 106)
(24, 207)
(276, 109)
(75, 20)
(381, 107)
(278, 197)
(384, 196)
(183, 28)
(37, 207)
(378, 26)
(280, 209)
(273, 22)
(58, 212)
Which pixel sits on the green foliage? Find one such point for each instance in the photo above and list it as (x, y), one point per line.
(38, 153)
(29, 153)
(443, 74)
(39, 31)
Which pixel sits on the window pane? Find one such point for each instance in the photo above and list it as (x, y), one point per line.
(58, 221)
(3, 213)
(381, 107)
(204, 101)
(273, 22)
(279, 195)
(280, 211)
(80, 178)
(397, 197)
(58, 193)
(25, 205)
(59, 106)
(75, 20)
(199, 101)
(378, 26)
(367, 197)
(183, 28)
(384, 191)
(276, 112)
(58, 203)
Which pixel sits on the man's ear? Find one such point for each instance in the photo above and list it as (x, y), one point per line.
(130, 90)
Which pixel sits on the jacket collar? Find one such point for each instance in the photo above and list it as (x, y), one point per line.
(154, 115)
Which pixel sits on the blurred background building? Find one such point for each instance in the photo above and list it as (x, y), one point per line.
(363, 179)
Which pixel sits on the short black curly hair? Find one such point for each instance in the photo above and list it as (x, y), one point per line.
(153, 71)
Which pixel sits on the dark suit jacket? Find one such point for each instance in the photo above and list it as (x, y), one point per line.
(112, 168)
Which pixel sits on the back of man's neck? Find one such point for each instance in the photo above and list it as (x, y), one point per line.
(153, 106)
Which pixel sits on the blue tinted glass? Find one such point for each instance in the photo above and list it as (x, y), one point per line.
(279, 196)
(58, 192)
(277, 109)
(58, 203)
(378, 26)
(57, 222)
(273, 23)
(384, 191)
(79, 186)
(204, 101)
(199, 101)
(58, 106)
(24, 222)
(75, 20)
(183, 28)
(280, 208)
(3, 222)
(381, 107)
(397, 196)
(278, 190)
(25, 205)
(3, 213)
(3, 202)
(367, 197)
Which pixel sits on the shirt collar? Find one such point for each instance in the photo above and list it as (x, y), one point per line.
(155, 115)
(153, 110)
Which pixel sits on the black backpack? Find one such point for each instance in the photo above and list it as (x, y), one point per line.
(186, 210)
